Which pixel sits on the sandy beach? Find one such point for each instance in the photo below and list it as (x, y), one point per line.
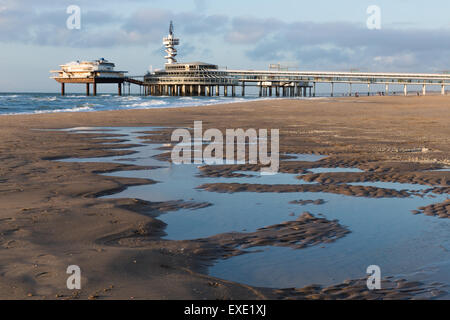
(51, 216)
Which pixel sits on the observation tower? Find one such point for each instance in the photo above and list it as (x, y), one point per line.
(170, 42)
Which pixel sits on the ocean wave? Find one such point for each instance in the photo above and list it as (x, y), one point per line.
(129, 98)
(75, 96)
(44, 99)
(51, 102)
(147, 104)
(76, 109)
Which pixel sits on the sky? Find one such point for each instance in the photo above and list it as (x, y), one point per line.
(414, 36)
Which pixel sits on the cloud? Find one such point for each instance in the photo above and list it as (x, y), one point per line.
(247, 30)
(99, 28)
(340, 44)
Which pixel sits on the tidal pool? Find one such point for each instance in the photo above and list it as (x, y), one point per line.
(384, 232)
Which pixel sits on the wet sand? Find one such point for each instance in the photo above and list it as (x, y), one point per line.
(51, 216)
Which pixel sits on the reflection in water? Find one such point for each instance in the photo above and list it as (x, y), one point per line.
(383, 231)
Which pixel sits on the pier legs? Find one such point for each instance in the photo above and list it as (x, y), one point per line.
(243, 89)
(314, 94)
(386, 92)
(217, 90)
(233, 91)
(87, 89)
(350, 90)
(443, 90)
(94, 89)
(368, 89)
(225, 91)
(405, 90)
(424, 90)
(119, 89)
(63, 89)
(332, 89)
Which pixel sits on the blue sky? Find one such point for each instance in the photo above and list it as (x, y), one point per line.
(310, 35)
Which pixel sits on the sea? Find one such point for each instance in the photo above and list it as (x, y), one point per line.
(36, 103)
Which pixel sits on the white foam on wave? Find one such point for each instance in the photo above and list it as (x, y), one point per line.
(76, 109)
(44, 99)
(145, 104)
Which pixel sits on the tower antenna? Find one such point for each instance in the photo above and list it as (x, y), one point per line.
(171, 28)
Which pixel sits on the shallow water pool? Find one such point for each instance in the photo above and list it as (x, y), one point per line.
(383, 231)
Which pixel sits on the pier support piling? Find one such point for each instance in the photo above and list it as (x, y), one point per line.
(332, 89)
(424, 90)
(87, 90)
(119, 89)
(443, 90)
(63, 89)
(405, 90)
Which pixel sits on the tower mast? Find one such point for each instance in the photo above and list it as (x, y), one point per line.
(170, 42)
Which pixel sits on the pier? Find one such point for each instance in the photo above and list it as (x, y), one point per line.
(200, 79)
(205, 79)
(89, 73)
